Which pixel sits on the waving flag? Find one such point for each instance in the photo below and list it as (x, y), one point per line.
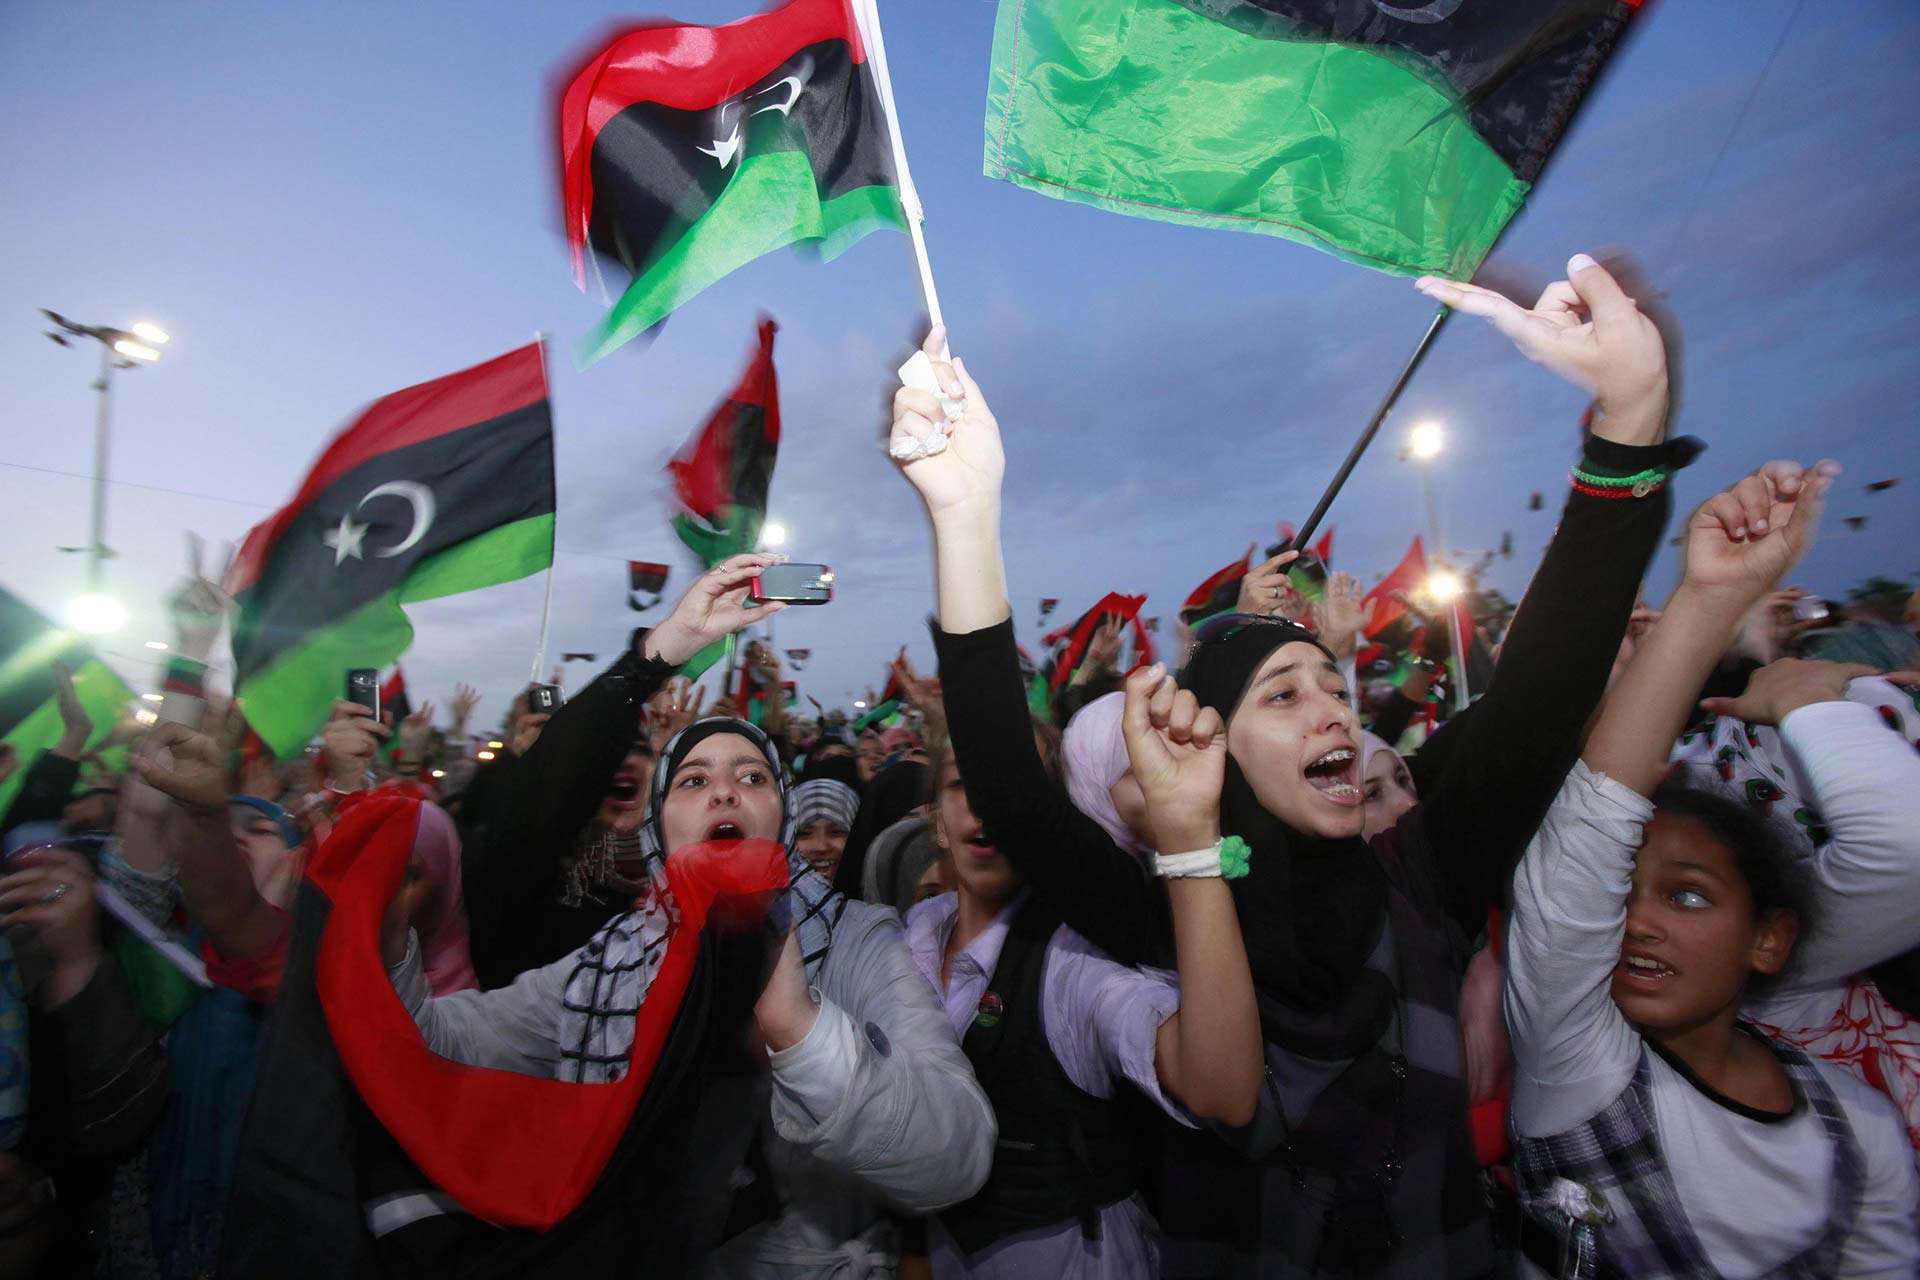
(645, 578)
(1078, 634)
(721, 476)
(1218, 593)
(29, 706)
(688, 151)
(1406, 579)
(1401, 137)
(442, 488)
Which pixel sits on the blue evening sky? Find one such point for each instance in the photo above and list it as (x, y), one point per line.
(325, 202)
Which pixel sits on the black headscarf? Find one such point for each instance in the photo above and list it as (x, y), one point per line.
(1311, 909)
(894, 792)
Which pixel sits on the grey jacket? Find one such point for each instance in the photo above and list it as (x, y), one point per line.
(876, 1108)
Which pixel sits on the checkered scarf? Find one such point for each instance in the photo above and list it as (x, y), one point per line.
(617, 966)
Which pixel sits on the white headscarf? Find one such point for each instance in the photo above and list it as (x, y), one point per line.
(1096, 756)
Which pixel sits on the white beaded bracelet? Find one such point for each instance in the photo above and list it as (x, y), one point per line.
(1225, 857)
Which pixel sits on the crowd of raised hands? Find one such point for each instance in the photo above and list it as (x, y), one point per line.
(1270, 956)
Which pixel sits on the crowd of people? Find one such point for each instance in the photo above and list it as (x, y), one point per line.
(1250, 961)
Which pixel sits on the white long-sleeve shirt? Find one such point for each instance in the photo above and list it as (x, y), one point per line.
(1756, 1189)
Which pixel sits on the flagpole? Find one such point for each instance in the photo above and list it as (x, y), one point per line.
(867, 15)
(546, 602)
(1301, 538)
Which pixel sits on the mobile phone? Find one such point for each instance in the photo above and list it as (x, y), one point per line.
(544, 698)
(363, 688)
(792, 584)
(1810, 609)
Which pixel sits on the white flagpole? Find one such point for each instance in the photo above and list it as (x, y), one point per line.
(867, 15)
(546, 603)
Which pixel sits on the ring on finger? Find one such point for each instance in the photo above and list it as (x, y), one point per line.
(56, 893)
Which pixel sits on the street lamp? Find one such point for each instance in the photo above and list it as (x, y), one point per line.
(773, 535)
(119, 349)
(1424, 444)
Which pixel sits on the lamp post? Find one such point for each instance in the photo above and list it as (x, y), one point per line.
(119, 349)
(1424, 444)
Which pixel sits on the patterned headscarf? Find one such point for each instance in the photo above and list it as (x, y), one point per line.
(824, 800)
(616, 968)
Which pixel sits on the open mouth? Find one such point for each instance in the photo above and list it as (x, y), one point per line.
(624, 794)
(1643, 973)
(1335, 776)
(725, 830)
(978, 845)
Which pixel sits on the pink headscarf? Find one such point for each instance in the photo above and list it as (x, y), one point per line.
(1096, 756)
(443, 943)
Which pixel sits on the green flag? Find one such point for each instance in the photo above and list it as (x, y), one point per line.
(1399, 137)
(29, 709)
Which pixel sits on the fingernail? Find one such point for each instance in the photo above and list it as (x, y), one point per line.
(1740, 531)
(1580, 262)
(1759, 526)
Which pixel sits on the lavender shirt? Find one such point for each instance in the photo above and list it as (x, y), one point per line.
(1101, 1019)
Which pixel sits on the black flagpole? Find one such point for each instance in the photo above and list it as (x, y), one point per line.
(1300, 539)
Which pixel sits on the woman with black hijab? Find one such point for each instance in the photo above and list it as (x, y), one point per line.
(1360, 1161)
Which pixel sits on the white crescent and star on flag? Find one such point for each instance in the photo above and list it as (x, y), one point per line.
(789, 87)
(348, 538)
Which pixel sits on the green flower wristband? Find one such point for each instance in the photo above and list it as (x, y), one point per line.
(1234, 854)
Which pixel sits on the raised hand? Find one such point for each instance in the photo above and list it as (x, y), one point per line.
(197, 607)
(188, 767)
(966, 475)
(1103, 649)
(676, 706)
(1179, 754)
(923, 692)
(1343, 615)
(1266, 588)
(415, 730)
(1781, 688)
(465, 699)
(526, 731)
(714, 607)
(76, 726)
(1586, 329)
(1742, 541)
(50, 893)
(350, 740)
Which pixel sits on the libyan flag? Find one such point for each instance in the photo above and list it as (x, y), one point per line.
(687, 152)
(442, 488)
(721, 476)
(29, 710)
(1402, 137)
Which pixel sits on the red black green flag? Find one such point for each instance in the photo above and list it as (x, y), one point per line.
(1078, 634)
(1218, 594)
(441, 488)
(689, 151)
(721, 476)
(1402, 137)
(1407, 578)
(29, 708)
(645, 578)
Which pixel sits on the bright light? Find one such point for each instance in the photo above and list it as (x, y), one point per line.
(161, 645)
(135, 351)
(773, 535)
(496, 745)
(151, 333)
(1443, 586)
(439, 773)
(96, 615)
(859, 706)
(153, 697)
(483, 755)
(1427, 440)
(144, 716)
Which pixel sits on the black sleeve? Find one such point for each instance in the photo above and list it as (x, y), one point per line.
(44, 792)
(1505, 762)
(116, 1069)
(1099, 889)
(535, 812)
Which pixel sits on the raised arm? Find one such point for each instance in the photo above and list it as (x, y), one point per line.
(1573, 1049)
(1865, 785)
(1209, 1054)
(1100, 890)
(1509, 753)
